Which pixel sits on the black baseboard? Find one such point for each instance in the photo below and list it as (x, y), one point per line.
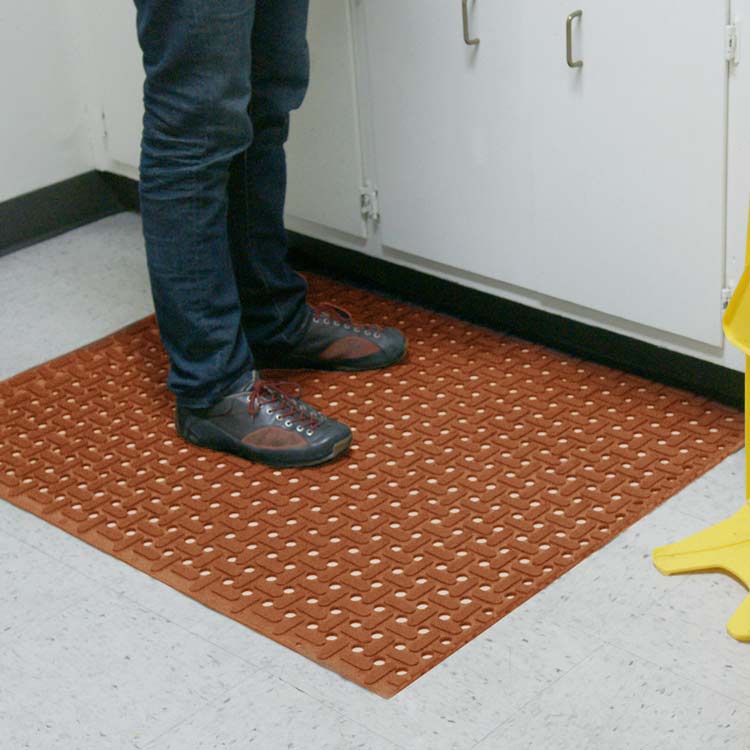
(568, 336)
(55, 209)
(125, 190)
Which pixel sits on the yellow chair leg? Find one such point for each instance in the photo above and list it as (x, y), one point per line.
(724, 547)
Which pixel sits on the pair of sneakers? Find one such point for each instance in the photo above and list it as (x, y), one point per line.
(269, 422)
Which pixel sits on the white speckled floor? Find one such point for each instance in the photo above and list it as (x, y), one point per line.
(95, 655)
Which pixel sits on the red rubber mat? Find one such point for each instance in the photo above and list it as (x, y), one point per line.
(482, 469)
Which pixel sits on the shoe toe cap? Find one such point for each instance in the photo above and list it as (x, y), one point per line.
(393, 342)
(337, 431)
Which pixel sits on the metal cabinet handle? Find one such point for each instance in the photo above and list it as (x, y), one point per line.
(569, 37)
(467, 34)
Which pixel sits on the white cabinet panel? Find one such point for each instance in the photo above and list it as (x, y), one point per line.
(601, 186)
(324, 151)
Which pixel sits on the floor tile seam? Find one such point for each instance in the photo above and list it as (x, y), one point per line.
(44, 729)
(678, 674)
(695, 517)
(571, 625)
(217, 699)
(537, 695)
(27, 543)
(708, 522)
(332, 705)
(41, 621)
(7, 646)
(194, 633)
(205, 703)
(685, 585)
(100, 584)
(653, 603)
(55, 699)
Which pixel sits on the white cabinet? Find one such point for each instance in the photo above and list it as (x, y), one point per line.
(602, 186)
(324, 149)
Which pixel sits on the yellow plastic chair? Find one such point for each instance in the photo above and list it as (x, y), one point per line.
(724, 548)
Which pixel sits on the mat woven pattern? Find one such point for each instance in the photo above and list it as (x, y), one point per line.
(482, 469)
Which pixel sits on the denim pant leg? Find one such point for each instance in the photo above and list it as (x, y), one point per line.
(197, 58)
(273, 296)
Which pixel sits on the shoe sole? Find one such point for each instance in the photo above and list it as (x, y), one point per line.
(341, 366)
(223, 444)
(341, 447)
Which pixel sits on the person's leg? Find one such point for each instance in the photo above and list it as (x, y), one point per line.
(280, 327)
(273, 296)
(197, 58)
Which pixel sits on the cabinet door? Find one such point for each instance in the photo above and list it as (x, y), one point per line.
(451, 140)
(631, 212)
(324, 151)
(117, 81)
(601, 186)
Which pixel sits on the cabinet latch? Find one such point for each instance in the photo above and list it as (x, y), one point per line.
(732, 37)
(369, 201)
(726, 295)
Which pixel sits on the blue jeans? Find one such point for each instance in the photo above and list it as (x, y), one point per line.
(221, 79)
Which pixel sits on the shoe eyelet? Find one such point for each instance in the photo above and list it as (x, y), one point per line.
(326, 322)
(278, 417)
(309, 432)
(376, 336)
(336, 323)
(287, 423)
(300, 429)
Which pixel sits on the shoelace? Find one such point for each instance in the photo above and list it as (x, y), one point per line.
(344, 317)
(282, 400)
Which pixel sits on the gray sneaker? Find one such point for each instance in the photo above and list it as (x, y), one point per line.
(333, 341)
(266, 422)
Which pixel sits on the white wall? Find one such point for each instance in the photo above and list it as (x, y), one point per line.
(111, 69)
(43, 135)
